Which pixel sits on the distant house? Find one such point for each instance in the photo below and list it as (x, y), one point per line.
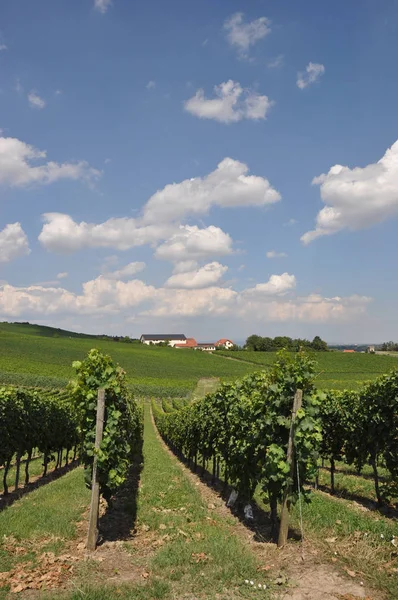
(172, 338)
(224, 343)
(190, 343)
(210, 347)
(371, 350)
(349, 351)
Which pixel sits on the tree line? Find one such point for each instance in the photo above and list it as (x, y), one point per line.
(256, 343)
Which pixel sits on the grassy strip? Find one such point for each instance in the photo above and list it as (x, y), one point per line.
(352, 486)
(35, 470)
(42, 520)
(198, 555)
(352, 537)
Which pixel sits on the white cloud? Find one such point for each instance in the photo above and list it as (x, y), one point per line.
(127, 271)
(102, 5)
(151, 85)
(229, 185)
(62, 234)
(274, 254)
(312, 73)
(206, 276)
(3, 47)
(277, 285)
(135, 299)
(35, 101)
(13, 243)
(276, 62)
(242, 35)
(290, 222)
(231, 104)
(211, 301)
(193, 243)
(17, 170)
(357, 198)
(315, 309)
(184, 266)
(62, 275)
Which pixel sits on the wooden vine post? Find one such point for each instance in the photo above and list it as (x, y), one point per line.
(285, 513)
(92, 536)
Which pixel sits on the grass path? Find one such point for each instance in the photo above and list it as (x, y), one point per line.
(179, 547)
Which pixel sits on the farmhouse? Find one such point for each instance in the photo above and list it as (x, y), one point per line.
(190, 343)
(178, 340)
(172, 338)
(210, 347)
(224, 343)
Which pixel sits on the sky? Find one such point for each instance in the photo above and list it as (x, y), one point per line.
(210, 168)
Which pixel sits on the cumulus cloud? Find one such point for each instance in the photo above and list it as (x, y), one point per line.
(102, 5)
(274, 254)
(315, 309)
(242, 35)
(106, 296)
(211, 301)
(184, 266)
(127, 271)
(194, 243)
(231, 104)
(230, 185)
(206, 276)
(13, 243)
(357, 198)
(35, 101)
(18, 166)
(99, 296)
(277, 285)
(312, 73)
(62, 234)
(62, 275)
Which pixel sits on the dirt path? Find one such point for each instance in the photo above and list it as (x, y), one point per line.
(248, 362)
(308, 578)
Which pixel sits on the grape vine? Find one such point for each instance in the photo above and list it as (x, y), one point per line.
(123, 423)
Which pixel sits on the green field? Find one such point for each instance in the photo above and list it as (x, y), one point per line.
(41, 356)
(335, 370)
(29, 357)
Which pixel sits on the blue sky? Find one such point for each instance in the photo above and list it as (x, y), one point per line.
(105, 105)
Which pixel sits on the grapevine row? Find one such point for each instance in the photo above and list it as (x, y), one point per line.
(361, 427)
(30, 419)
(245, 427)
(123, 422)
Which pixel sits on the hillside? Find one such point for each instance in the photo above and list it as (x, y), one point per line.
(43, 356)
(35, 359)
(42, 330)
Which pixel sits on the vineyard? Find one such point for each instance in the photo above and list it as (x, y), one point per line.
(335, 370)
(244, 427)
(51, 421)
(40, 361)
(285, 456)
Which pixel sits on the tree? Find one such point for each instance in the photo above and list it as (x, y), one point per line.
(253, 342)
(319, 345)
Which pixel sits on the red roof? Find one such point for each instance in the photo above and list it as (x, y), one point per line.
(222, 342)
(349, 351)
(191, 343)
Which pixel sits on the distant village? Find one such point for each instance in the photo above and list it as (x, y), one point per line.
(179, 340)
